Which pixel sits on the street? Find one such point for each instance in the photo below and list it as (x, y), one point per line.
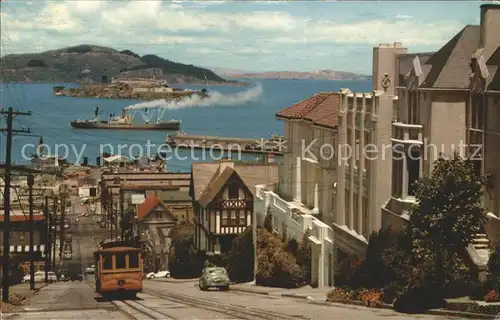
(171, 299)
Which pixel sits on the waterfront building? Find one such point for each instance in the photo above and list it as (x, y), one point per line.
(449, 101)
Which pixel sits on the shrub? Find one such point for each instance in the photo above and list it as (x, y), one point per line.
(184, 261)
(240, 260)
(392, 291)
(304, 257)
(494, 268)
(268, 222)
(276, 268)
(478, 290)
(130, 53)
(492, 296)
(373, 272)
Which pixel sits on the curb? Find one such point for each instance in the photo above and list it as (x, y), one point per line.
(437, 312)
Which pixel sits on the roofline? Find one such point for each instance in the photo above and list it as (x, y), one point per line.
(490, 6)
(334, 129)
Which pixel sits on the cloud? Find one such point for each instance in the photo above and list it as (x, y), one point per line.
(204, 30)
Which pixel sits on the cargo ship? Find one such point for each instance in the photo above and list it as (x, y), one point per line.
(125, 123)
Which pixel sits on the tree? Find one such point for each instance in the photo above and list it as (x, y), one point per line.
(268, 220)
(36, 63)
(241, 257)
(184, 261)
(494, 269)
(447, 215)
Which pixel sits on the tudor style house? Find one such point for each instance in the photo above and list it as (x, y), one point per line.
(223, 194)
(458, 86)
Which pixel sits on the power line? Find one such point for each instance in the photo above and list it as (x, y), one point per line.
(10, 114)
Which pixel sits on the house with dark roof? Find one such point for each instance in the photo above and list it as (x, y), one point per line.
(223, 194)
(448, 101)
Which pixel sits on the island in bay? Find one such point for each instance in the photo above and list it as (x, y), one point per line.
(97, 64)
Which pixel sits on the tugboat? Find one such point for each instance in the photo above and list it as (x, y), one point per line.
(124, 123)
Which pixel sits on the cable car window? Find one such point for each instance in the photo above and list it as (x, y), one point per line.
(133, 260)
(107, 263)
(120, 260)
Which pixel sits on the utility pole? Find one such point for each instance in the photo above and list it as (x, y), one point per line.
(110, 214)
(47, 238)
(8, 163)
(121, 212)
(53, 234)
(61, 227)
(31, 181)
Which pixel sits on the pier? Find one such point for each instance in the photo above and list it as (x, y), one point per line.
(273, 145)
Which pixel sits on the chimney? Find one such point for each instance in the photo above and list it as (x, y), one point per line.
(223, 163)
(490, 25)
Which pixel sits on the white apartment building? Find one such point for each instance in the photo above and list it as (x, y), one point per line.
(306, 191)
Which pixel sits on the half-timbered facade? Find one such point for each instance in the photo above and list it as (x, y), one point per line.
(223, 195)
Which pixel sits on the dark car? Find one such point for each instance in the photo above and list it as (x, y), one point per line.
(76, 277)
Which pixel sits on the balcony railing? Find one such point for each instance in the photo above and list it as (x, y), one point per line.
(407, 133)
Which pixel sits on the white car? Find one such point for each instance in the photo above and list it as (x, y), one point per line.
(40, 277)
(90, 269)
(159, 274)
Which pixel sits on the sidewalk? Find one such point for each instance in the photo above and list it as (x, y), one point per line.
(18, 295)
(307, 292)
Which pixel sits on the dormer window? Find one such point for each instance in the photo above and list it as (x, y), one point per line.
(233, 191)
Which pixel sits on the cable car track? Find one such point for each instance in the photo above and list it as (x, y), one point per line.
(239, 312)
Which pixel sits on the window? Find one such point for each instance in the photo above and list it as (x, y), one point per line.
(413, 164)
(357, 148)
(107, 261)
(365, 231)
(397, 175)
(224, 218)
(477, 110)
(234, 218)
(413, 110)
(475, 150)
(159, 215)
(242, 218)
(120, 260)
(133, 260)
(233, 191)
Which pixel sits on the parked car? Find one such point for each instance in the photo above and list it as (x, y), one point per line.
(63, 278)
(40, 277)
(76, 277)
(159, 274)
(90, 269)
(214, 277)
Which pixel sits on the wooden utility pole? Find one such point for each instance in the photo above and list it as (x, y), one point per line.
(31, 182)
(110, 213)
(121, 212)
(10, 113)
(61, 227)
(47, 238)
(54, 233)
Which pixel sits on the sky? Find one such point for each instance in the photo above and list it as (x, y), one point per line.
(244, 35)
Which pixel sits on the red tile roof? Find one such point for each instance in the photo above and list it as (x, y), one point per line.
(325, 113)
(302, 108)
(148, 205)
(21, 218)
(320, 109)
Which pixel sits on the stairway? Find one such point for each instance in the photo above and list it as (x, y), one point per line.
(479, 252)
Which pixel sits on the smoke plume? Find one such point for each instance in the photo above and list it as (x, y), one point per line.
(214, 99)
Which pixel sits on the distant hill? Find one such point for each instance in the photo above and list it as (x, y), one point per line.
(316, 75)
(89, 62)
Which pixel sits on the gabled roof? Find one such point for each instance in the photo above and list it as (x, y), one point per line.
(325, 113)
(302, 108)
(450, 65)
(148, 205)
(251, 174)
(216, 185)
(494, 68)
